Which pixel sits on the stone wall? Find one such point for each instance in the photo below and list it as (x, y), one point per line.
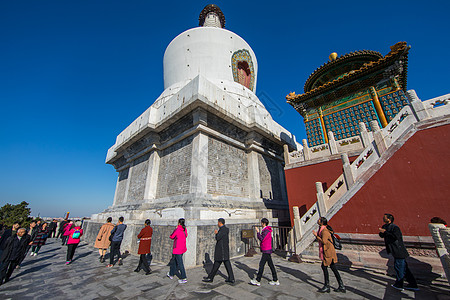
(138, 179)
(175, 180)
(122, 186)
(270, 176)
(227, 169)
(162, 244)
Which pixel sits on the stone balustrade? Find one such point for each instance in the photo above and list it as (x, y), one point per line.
(441, 237)
(373, 145)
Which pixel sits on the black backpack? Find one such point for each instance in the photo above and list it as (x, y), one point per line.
(336, 241)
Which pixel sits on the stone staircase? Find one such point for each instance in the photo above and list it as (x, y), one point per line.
(379, 146)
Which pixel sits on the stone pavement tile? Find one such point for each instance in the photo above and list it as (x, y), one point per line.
(236, 292)
(47, 277)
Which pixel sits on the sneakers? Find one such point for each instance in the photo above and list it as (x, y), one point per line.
(255, 282)
(110, 266)
(32, 254)
(68, 262)
(412, 287)
(120, 262)
(182, 281)
(274, 282)
(168, 275)
(397, 287)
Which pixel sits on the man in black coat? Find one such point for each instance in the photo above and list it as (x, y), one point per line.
(393, 240)
(8, 232)
(221, 253)
(13, 253)
(52, 228)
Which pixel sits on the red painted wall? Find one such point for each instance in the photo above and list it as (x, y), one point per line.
(414, 186)
(301, 183)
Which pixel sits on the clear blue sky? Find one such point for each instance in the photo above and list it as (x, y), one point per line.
(74, 74)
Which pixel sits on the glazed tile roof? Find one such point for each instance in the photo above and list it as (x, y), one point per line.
(354, 80)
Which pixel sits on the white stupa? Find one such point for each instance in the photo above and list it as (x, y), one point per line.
(206, 148)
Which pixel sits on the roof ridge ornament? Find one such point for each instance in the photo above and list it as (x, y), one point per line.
(211, 16)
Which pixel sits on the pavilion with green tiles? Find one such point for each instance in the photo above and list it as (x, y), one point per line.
(357, 87)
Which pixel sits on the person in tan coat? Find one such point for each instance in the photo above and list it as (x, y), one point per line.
(102, 242)
(327, 254)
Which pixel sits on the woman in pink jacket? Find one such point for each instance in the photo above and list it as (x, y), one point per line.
(66, 231)
(73, 240)
(178, 236)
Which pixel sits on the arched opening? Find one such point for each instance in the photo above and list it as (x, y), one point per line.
(244, 74)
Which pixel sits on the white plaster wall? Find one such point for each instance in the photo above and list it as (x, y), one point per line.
(206, 51)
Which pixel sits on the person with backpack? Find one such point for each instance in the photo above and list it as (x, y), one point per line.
(178, 236)
(265, 237)
(327, 254)
(39, 239)
(145, 243)
(102, 242)
(116, 238)
(73, 240)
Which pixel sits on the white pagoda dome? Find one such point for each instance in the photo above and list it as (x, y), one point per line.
(211, 51)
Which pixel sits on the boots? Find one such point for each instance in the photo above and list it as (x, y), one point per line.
(324, 289)
(341, 288)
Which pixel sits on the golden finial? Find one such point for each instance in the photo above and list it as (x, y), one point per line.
(333, 56)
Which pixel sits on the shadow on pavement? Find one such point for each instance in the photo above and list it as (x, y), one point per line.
(50, 250)
(81, 256)
(29, 262)
(250, 272)
(31, 270)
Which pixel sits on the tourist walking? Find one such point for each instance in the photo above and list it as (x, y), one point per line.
(116, 239)
(102, 242)
(265, 237)
(61, 228)
(221, 253)
(73, 240)
(31, 232)
(393, 239)
(178, 236)
(327, 254)
(13, 252)
(145, 243)
(67, 227)
(39, 239)
(6, 234)
(52, 228)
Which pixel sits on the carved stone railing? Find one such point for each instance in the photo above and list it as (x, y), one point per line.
(329, 202)
(441, 237)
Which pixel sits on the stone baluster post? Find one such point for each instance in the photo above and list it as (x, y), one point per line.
(286, 154)
(297, 223)
(332, 143)
(320, 199)
(348, 171)
(417, 106)
(378, 137)
(438, 235)
(306, 151)
(364, 134)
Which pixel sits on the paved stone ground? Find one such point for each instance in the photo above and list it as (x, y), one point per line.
(47, 277)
